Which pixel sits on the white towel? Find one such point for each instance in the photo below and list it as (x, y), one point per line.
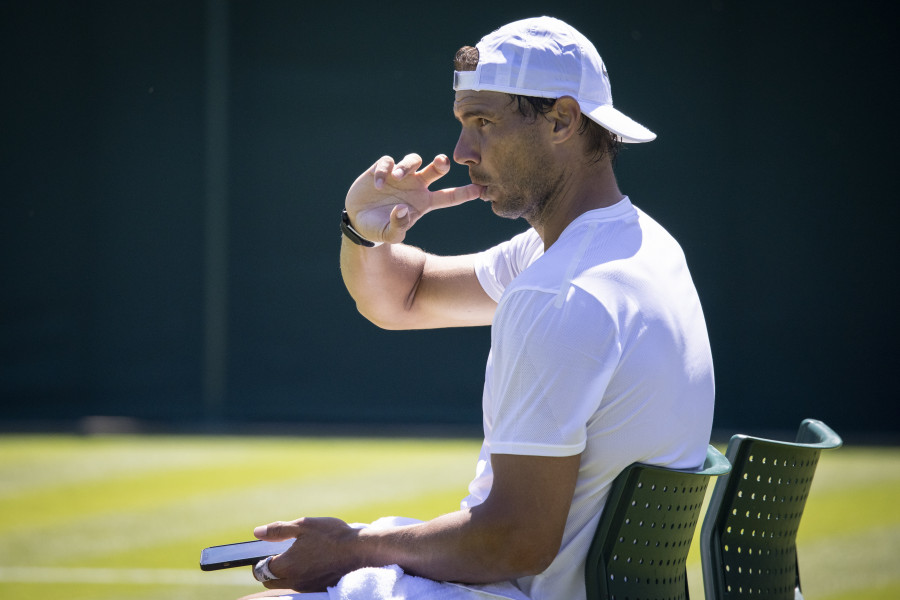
(391, 583)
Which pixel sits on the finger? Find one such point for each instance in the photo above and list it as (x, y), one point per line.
(275, 585)
(401, 220)
(279, 571)
(380, 170)
(454, 196)
(409, 164)
(439, 167)
(277, 532)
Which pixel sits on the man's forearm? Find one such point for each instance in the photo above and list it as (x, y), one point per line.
(382, 280)
(464, 546)
(402, 287)
(516, 531)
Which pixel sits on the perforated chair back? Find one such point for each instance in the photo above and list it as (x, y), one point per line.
(641, 544)
(748, 537)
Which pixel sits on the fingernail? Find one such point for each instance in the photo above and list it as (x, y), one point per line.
(378, 183)
(398, 173)
(261, 531)
(402, 212)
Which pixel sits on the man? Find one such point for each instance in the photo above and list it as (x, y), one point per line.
(599, 351)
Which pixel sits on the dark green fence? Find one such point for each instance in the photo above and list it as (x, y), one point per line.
(172, 174)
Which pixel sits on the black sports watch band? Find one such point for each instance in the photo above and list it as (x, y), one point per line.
(352, 234)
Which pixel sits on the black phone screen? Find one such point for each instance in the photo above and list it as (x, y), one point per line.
(240, 554)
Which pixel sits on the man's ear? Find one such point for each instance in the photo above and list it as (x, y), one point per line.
(565, 117)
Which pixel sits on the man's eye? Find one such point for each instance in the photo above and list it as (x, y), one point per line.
(482, 122)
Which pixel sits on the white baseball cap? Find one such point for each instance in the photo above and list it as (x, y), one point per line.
(547, 58)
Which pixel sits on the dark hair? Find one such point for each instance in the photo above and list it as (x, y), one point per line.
(466, 59)
(600, 141)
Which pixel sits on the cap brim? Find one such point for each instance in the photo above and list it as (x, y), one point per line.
(627, 129)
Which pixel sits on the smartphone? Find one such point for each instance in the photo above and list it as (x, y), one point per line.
(240, 554)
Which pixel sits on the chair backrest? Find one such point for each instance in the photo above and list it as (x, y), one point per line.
(748, 537)
(641, 543)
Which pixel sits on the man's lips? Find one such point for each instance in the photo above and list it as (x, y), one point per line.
(481, 183)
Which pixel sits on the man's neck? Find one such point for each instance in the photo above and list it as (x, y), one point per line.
(582, 189)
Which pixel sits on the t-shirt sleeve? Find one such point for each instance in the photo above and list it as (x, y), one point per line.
(552, 366)
(496, 267)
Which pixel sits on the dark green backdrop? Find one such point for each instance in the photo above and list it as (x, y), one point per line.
(172, 174)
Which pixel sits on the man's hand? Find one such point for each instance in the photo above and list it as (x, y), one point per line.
(319, 557)
(388, 198)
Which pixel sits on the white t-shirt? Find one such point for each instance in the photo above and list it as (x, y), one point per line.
(599, 346)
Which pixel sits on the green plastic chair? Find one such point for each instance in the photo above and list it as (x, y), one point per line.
(641, 543)
(748, 537)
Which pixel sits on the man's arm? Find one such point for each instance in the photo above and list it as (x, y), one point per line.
(517, 531)
(397, 286)
(401, 287)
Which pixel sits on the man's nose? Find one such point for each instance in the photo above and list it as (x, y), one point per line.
(465, 152)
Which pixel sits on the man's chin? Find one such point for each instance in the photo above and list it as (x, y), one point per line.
(502, 211)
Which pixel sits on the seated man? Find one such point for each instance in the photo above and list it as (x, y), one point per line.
(599, 350)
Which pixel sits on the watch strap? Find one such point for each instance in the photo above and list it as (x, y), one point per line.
(353, 235)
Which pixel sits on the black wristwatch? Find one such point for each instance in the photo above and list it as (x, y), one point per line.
(352, 234)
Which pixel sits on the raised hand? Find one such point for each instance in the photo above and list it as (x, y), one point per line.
(388, 198)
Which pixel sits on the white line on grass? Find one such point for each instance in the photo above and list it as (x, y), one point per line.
(125, 576)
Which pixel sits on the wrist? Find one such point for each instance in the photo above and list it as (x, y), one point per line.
(366, 547)
(353, 235)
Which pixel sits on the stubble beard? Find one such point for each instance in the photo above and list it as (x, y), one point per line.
(529, 197)
(526, 188)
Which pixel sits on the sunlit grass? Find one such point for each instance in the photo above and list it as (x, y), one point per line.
(138, 503)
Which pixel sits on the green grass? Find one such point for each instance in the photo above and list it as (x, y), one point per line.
(125, 517)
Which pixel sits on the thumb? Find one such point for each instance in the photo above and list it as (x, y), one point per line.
(400, 217)
(401, 221)
(277, 532)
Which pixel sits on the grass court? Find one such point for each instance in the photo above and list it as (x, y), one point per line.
(125, 517)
